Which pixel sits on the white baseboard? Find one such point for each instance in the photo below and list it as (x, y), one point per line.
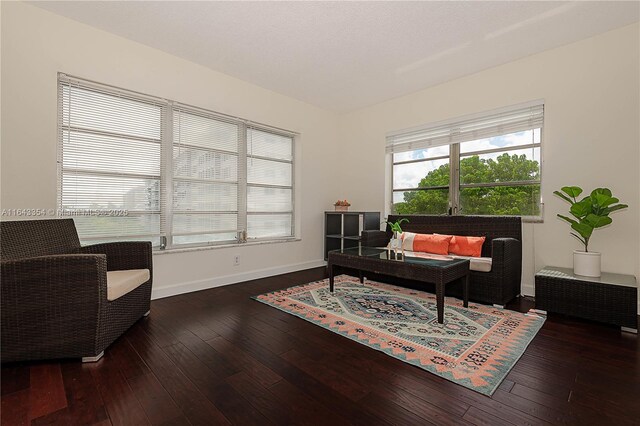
(527, 289)
(188, 287)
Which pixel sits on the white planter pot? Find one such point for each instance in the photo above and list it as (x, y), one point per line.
(586, 263)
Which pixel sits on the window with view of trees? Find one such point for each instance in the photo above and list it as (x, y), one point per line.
(448, 169)
(138, 167)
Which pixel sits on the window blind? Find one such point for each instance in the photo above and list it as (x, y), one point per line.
(205, 178)
(269, 184)
(134, 166)
(109, 162)
(494, 123)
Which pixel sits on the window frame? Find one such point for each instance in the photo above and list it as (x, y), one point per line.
(455, 156)
(256, 185)
(421, 160)
(167, 172)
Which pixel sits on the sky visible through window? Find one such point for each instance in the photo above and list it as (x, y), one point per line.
(409, 175)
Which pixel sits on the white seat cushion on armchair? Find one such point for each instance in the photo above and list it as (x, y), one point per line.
(120, 283)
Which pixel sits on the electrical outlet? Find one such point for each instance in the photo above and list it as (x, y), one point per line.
(236, 260)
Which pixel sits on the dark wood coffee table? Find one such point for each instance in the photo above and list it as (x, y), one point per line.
(381, 261)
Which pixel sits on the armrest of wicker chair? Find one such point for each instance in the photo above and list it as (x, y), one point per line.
(506, 251)
(374, 238)
(507, 263)
(50, 305)
(124, 254)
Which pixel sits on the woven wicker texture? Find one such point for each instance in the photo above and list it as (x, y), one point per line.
(503, 244)
(415, 271)
(55, 305)
(586, 299)
(31, 238)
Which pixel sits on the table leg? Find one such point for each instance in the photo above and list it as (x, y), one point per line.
(330, 267)
(440, 301)
(361, 277)
(465, 291)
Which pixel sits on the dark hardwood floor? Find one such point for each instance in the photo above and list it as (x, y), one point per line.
(217, 357)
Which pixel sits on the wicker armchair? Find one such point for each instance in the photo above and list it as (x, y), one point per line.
(503, 244)
(55, 298)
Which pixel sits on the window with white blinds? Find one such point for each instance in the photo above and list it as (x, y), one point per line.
(485, 164)
(269, 184)
(205, 178)
(110, 150)
(135, 167)
(474, 127)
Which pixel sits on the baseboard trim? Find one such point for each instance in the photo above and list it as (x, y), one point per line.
(191, 286)
(527, 289)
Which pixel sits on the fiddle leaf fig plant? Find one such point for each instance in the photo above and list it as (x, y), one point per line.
(589, 213)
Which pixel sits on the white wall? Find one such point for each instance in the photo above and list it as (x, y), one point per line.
(591, 138)
(37, 44)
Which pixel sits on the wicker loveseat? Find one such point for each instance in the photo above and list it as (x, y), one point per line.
(61, 300)
(503, 245)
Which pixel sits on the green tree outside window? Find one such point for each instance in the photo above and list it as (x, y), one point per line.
(520, 200)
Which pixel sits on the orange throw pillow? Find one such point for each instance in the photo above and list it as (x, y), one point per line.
(432, 243)
(466, 246)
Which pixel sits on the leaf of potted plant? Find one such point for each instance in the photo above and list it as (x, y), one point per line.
(395, 243)
(590, 213)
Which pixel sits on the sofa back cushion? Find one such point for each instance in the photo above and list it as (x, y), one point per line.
(427, 243)
(31, 238)
(466, 246)
(489, 227)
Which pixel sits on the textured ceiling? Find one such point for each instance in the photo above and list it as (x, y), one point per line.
(346, 55)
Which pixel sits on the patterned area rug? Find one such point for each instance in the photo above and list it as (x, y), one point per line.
(475, 347)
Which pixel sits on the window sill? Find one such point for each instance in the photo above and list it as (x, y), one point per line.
(525, 219)
(532, 219)
(223, 246)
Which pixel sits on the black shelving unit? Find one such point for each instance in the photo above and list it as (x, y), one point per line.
(342, 229)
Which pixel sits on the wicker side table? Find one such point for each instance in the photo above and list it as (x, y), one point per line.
(611, 298)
